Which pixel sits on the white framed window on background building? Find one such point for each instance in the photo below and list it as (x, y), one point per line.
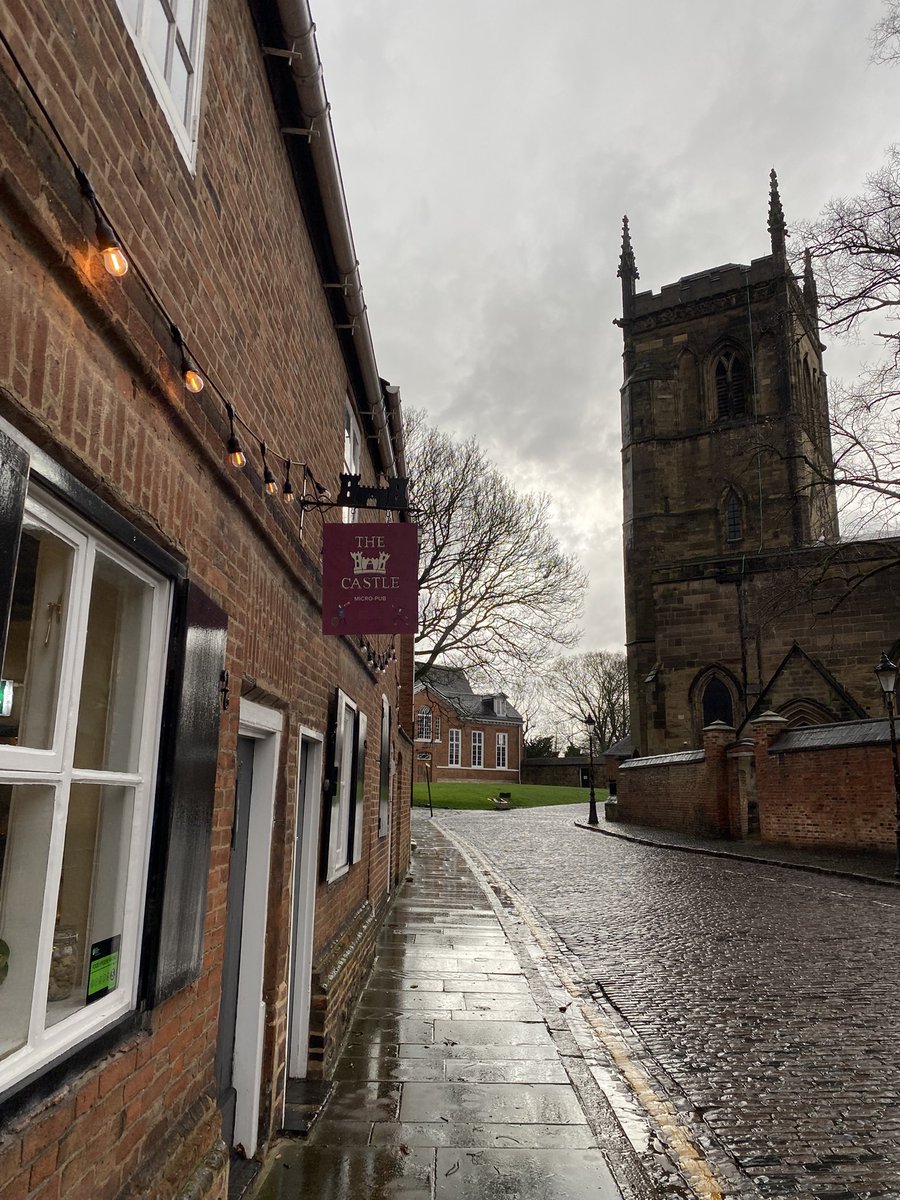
(169, 36)
(454, 748)
(82, 682)
(477, 748)
(423, 724)
(502, 742)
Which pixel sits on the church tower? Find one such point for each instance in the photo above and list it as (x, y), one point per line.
(726, 458)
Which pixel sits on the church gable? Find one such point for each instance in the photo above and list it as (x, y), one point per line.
(803, 692)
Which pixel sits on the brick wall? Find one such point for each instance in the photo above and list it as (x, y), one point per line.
(842, 797)
(687, 791)
(836, 796)
(88, 370)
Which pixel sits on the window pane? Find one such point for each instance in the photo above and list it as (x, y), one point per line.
(184, 18)
(26, 818)
(340, 814)
(130, 12)
(91, 903)
(178, 83)
(156, 33)
(36, 636)
(113, 682)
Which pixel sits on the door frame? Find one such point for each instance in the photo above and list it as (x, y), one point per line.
(304, 881)
(264, 726)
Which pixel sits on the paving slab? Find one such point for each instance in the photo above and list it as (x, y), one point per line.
(512, 1174)
(451, 1082)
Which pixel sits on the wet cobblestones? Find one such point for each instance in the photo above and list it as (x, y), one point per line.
(765, 1002)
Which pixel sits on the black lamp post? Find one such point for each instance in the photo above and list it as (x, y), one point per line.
(592, 806)
(886, 671)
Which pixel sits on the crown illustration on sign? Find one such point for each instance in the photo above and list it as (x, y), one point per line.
(365, 564)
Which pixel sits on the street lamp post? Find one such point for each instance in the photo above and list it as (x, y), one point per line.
(592, 798)
(886, 672)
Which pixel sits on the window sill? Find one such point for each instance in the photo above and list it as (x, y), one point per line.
(338, 873)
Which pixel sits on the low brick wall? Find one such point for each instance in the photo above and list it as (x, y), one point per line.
(660, 792)
(562, 772)
(825, 785)
(815, 794)
(337, 980)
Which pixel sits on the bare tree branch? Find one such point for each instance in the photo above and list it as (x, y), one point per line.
(496, 591)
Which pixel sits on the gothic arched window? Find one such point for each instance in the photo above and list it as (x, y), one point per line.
(731, 385)
(423, 724)
(734, 519)
(716, 704)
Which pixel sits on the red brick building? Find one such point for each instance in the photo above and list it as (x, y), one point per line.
(464, 735)
(204, 801)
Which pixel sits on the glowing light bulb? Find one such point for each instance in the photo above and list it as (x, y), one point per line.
(115, 261)
(235, 457)
(287, 492)
(271, 483)
(193, 380)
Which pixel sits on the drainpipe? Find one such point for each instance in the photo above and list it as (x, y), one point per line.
(306, 69)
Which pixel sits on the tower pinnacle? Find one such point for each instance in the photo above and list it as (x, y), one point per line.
(627, 268)
(777, 230)
(627, 271)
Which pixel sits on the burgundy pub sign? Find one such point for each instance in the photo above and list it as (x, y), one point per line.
(370, 578)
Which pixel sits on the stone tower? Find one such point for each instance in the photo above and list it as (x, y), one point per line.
(726, 454)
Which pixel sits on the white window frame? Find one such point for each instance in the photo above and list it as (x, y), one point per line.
(54, 769)
(454, 747)
(478, 740)
(424, 723)
(435, 726)
(134, 15)
(347, 800)
(502, 744)
(352, 453)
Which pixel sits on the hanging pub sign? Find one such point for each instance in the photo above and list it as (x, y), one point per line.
(370, 578)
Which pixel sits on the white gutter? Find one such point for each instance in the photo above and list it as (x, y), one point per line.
(306, 69)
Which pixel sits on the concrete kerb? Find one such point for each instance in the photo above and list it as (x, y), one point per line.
(811, 868)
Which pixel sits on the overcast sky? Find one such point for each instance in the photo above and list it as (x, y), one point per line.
(489, 149)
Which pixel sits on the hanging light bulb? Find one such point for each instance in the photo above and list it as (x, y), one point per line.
(235, 456)
(114, 258)
(287, 488)
(270, 483)
(190, 375)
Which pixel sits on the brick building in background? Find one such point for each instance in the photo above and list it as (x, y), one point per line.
(742, 601)
(467, 735)
(204, 802)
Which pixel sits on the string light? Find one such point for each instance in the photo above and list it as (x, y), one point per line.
(270, 483)
(116, 263)
(114, 258)
(190, 374)
(235, 456)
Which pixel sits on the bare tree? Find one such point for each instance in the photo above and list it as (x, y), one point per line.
(854, 247)
(594, 684)
(496, 591)
(885, 37)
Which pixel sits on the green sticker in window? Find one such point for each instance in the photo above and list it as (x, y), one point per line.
(104, 970)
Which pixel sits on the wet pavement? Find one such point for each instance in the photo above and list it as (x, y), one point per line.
(461, 1077)
(752, 1008)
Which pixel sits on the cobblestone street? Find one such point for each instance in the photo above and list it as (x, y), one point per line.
(765, 1001)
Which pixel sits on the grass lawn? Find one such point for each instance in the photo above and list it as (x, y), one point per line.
(477, 795)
